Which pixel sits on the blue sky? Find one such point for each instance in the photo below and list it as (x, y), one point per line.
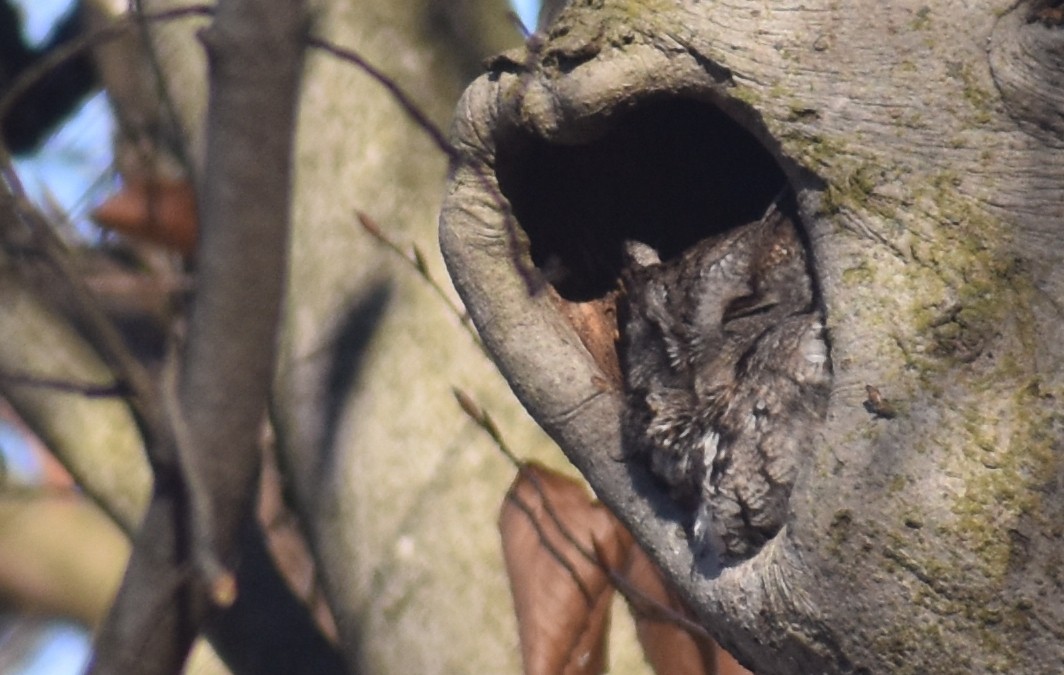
(528, 10)
(72, 168)
(39, 16)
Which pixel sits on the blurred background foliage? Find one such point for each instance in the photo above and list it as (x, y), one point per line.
(60, 557)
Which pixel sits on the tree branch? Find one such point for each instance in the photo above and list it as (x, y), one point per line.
(186, 552)
(96, 439)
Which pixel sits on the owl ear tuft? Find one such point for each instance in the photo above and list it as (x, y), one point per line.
(639, 254)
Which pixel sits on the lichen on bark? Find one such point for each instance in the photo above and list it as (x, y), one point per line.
(930, 212)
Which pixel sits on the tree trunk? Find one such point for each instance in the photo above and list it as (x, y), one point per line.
(923, 145)
(397, 489)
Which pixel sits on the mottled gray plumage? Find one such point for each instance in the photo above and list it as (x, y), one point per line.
(727, 374)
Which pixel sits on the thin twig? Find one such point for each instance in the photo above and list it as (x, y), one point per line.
(636, 598)
(141, 19)
(560, 557)
(534, 281)
(81, 44)
(401, 97)
(30, 492)
(416, 259)
(28, 229)
(39, 237)
(519, 24)
(115, 389)
(486, 423)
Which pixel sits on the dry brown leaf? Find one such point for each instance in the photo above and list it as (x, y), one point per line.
(727, 665)
(561, 592)
(669, 647)
(159, 210)
(560, 545)
(595, 322)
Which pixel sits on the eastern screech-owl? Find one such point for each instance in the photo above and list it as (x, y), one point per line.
(727, 374)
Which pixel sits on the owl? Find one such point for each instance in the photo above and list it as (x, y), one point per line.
(727, 374)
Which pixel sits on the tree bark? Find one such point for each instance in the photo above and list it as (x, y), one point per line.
(94, 438)
(397, 490)
(928, 173)
(206, 457)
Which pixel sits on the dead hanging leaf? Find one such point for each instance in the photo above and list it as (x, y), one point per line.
(671, 648)
(561, 548)
(727, 665)
(556, 540)
(668, 647)
(159, 210)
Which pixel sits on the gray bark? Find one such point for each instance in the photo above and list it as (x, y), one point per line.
(205, 456)
(397, 490)
(94, 438)
(924, 144)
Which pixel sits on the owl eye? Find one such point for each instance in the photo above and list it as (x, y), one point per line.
(747, 306)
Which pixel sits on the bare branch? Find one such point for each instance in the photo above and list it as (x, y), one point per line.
(78, 46)
(532, 277)
(218, 400)
(36, 251)
(416, 259)
(637, 599)
(401, 97)
(15, 379)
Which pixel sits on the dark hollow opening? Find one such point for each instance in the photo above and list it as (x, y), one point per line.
(670, 173)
